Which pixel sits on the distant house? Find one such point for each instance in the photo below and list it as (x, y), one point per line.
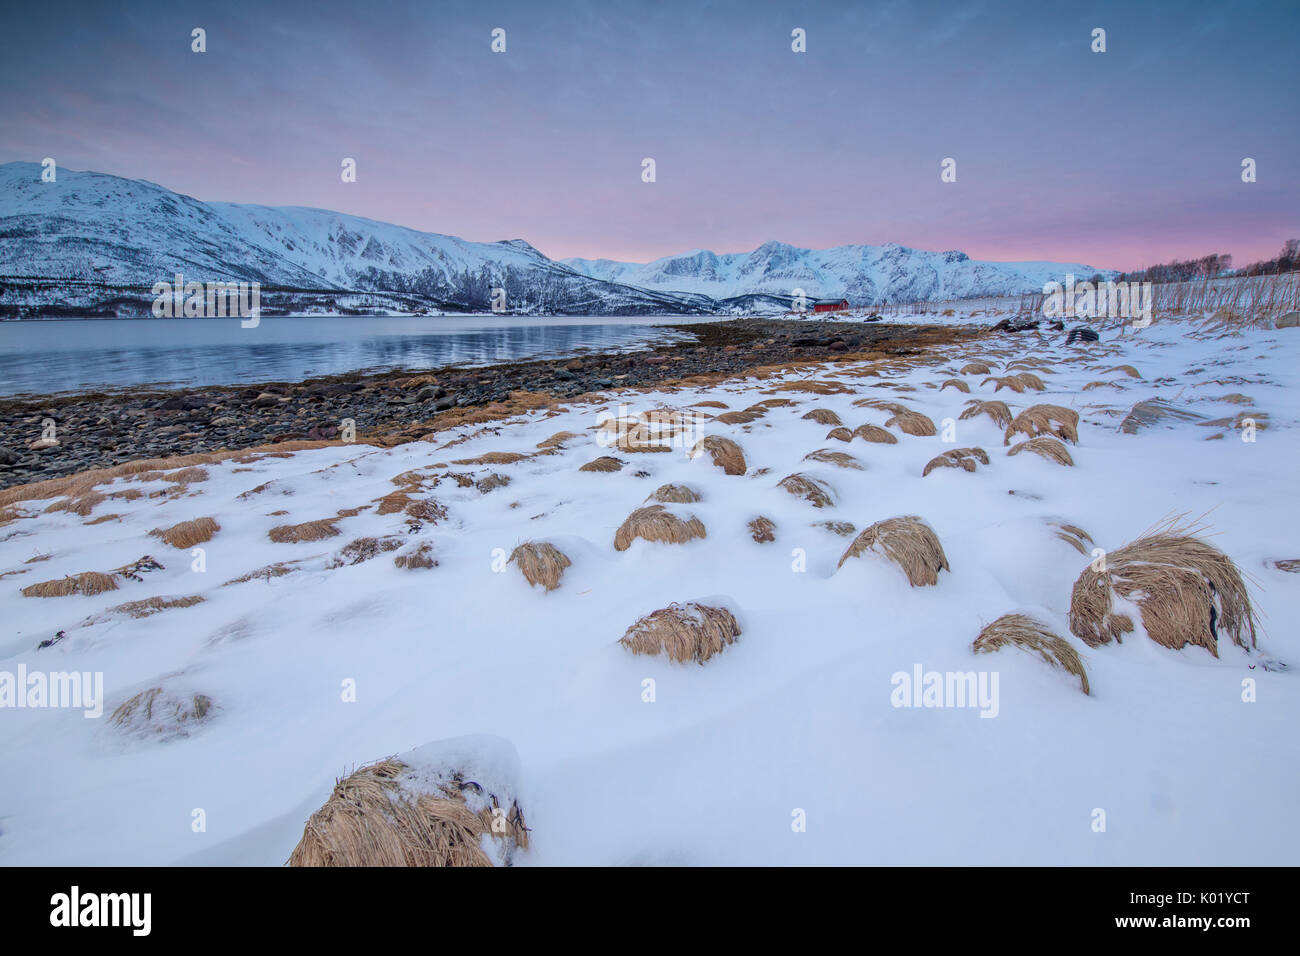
(830, 305)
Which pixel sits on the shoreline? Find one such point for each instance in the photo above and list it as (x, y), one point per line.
(101, 428)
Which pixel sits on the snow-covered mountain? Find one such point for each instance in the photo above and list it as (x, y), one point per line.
(95, 242)
(861, 274)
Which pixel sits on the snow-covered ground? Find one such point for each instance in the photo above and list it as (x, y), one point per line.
(794, 721)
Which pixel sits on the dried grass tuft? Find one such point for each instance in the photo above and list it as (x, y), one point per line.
(823, 416)
(724, 452)
(1128, 370)
(674, 494)
(1187, 592)
(876, 434)
(842, 434)
(494, 458)
(392, 503)
(1074, 536)
(604, 464)
(558, 439)
(1018, 383)
(277, 570)
(307, 531)
(541, 563)
(913, 423)
(998, 411)
(955, 383)
(88, 583)
(907, 541)
(421, 557)
(378, 816)
(1045, 446)
(188, 534)
(964, 458)
(810, 489)
(1038, 420)
(742, 417)
(684, 632)
(361, 550)
(159, 713)
(975, 368)
(427, 510)
(1153, 411)
(838, 458)
(656, 523)
(894, 408)
(153, 605)
(1017, 630)
(762, 530)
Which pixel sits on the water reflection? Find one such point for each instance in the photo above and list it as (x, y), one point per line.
(46, 357)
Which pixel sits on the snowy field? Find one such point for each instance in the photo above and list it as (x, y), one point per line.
(793, 723)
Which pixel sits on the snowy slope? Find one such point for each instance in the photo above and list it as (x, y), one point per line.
(90, 226)
(796, 715)
(861, 274)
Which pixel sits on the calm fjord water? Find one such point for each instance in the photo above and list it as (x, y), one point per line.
(44, 357)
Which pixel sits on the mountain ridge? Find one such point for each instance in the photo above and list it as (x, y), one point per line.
(92, 241)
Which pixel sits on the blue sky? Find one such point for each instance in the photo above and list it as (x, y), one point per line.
(1118, 159)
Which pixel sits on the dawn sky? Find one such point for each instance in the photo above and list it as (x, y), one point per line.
(1115, 159)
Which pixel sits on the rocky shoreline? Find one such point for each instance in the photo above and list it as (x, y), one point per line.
(99, 429)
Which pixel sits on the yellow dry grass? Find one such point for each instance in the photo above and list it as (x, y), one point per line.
(998, 411)
(277, 570)
(604, 464)
(1038, 420)
(674, 494)
(1045, 446)
(823, 416)
(875, 434)
(907, 541)
(724, 453)
(894, 408)
(88, 583)
(964, 458)
(306, 531)
(375, 817)
(1018, 630)
(188, 534)
(558, 439)
(841, 433)
(153, 605)
(494, 458)
(838, 458)
(1074, 536)
(1128, 370)
(913, 423)
(657, 523)
(762, 530)
(541, 563)
(1186, 591)
(360, 550)
(810, 489)
(976, 368)
(1153, 411)
(683, 632)
(159, 713)
(421, 557)
(955, 383)
(1019, 382)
